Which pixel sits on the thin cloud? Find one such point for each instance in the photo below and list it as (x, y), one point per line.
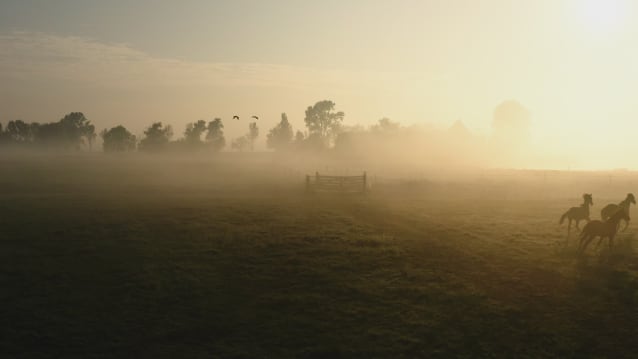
(45, 76)
(24, 55)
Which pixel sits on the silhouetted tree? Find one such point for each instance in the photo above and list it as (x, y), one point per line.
(253, 133)
(51, 135)
(385, 125)
(157, 137)
(88, 131)
(215, 134)
(193, 133)
(19, 131)
(322, 122)
(345, 141)
(118, 139)
(241, 143)
(77, 128)
(70, 132)
(299, 140)
(280, 136)
(34, 127)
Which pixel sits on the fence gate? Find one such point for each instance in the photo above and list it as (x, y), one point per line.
(349, 184)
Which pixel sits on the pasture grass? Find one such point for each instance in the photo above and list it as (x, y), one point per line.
(120, 258)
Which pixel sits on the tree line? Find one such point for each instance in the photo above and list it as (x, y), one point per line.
(71, 132)
(75, 132)
(389, 141)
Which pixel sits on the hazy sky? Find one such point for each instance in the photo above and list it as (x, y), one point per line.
(572, 63)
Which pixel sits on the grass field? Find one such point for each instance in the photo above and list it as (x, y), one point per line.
(150, 257)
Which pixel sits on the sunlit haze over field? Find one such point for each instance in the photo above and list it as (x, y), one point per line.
(318, 179)
(572, 64)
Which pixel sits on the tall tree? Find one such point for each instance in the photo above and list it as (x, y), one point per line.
(193, 133)
(75, 128)
(19, 131)
(253, 133)
(72, 131)
(118, 139)
(157, 137)
(34, 128)
(215, 134)
(88, 131)
(323, 122)
(280, 136)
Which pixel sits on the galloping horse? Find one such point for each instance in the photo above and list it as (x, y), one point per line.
(610, 209)
(601, 229)
(578, 213)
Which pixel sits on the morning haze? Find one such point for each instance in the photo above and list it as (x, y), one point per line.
(318, 179)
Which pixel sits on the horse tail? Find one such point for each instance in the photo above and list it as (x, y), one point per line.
(562, 219)
(581, 239)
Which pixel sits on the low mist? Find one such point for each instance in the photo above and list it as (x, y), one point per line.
(327, 179)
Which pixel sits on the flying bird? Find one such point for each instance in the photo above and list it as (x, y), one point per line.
(255, 117)
(235, 117)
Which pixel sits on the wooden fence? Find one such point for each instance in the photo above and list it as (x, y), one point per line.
(349, 184)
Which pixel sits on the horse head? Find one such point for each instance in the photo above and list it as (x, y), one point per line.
(630, 198)
(587, 197)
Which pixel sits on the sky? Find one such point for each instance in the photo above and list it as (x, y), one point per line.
(427, 62)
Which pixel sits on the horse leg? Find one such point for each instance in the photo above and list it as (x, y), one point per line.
(584, 241)
(583, 244)
(599, 242)
(611, 241)
(626, 225)
(569, 226)
(589, 239)
(578, 224)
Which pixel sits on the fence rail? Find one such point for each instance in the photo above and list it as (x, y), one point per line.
(350, 184)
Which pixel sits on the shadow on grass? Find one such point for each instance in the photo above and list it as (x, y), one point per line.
(620, 254)
(611, 271)
(604, 299)
(566, 247)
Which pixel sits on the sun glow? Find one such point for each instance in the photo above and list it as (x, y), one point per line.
(603, 15)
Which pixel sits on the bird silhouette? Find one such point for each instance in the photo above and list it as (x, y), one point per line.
(235, 117)
(255, 117)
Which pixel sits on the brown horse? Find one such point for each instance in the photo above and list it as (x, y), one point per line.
(610, 209)
(602, 229)
(578, 214)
